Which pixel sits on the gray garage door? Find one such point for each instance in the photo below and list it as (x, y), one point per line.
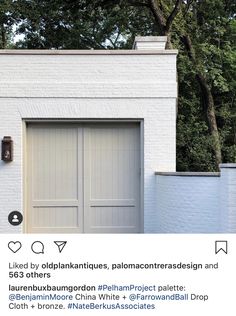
(83, 178)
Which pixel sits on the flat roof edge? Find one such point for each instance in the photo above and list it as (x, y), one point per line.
(189, 174)
(228, 165)
(86, 52)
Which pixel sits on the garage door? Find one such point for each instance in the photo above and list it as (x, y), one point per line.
(83, 178)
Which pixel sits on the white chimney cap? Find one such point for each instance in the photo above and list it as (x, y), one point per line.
(150, 42)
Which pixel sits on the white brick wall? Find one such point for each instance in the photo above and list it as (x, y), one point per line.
(95, 76)
(116, 85)
(88, 85)
(10, 173)
(197, 203)
(228, 197)
(188, 204)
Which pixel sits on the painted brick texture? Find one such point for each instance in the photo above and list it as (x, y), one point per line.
(188, 204)
(106, 86)
(88, 86)
(197, 204)
(228, 197)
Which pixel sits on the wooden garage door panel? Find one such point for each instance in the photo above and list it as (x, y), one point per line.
(55, 217)
(54, 163)
(112, 178)
(83, 178)
(114, 162)
(54, 178)
(114, 219)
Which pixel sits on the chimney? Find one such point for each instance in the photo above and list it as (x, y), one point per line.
(150, 42)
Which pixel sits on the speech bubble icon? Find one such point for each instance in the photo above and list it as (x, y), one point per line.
(37, 247)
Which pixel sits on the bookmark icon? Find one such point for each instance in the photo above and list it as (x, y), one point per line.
(221, 246)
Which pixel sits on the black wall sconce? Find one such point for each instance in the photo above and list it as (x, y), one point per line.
(7, 149)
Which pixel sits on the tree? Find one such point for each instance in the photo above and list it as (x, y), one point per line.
(208, 47)
(64, 24)
(8, 18)
(194, 23)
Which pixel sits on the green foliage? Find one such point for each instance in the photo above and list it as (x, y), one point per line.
(8, 18)
(213, 30)
(83, 24)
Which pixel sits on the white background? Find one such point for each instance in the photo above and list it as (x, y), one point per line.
(218, 284)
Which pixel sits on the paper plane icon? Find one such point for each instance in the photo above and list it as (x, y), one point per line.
(60, 245)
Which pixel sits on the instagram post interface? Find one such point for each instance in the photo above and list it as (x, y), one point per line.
(118, 157)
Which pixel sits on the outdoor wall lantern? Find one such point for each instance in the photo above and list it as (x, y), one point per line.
(7, 149)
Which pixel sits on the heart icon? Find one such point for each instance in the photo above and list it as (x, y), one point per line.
(14, 246)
